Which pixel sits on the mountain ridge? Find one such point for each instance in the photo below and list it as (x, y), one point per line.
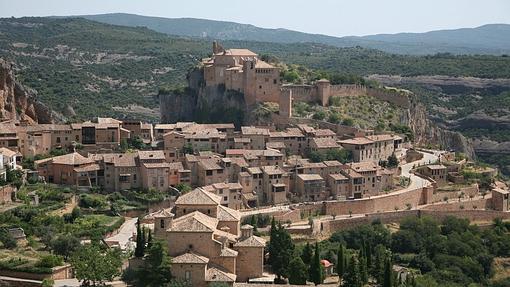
(485, 39)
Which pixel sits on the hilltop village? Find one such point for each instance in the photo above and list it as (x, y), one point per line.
(216, 178)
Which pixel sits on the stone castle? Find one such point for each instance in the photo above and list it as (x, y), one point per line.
(243, 71)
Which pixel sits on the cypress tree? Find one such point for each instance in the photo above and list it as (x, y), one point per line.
(316, 268)
(272, 248)
(368, 251)
(363, 270)
(388, 273)
(340, 262)
(307, 254)
(280, 249)
(352, 276)
(139, 241)
(149, 240)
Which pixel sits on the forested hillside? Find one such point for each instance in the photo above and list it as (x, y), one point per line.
(84, 69)
(487, 39)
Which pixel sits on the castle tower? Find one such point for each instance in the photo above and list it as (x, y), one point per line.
(323, 91)
(249, 82)
(285, 103)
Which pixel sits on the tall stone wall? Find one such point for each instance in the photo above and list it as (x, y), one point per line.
(347, 90)
(302, 93)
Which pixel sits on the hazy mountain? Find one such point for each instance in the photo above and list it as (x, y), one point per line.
(487, 39)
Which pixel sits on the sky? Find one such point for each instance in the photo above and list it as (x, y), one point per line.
(331, 17)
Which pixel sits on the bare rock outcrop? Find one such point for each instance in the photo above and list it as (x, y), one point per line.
(18, 102)
(428, 132)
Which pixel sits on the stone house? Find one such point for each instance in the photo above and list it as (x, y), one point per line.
(438, 172)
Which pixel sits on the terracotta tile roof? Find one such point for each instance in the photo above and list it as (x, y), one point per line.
(263, 65)
(216, 275)
(254, 170)
(310, 176)
(364, 166)
(151, 154)
(324, 132)
(330, 163)
(227, 252)
(270, 169)
(252, 241)
(156, 165)
(337, 176)
(436, 166)
(190, 258)
(72, 159)
(324, 143)
(90, 167)
(356, 141)
(254, 131)
(125, 160)
(275, 145)
(228, 214)
(209, 164)
(385, 137)
(194, 222)
(198, 197)
(240, 52)
(163, 213)
(7, 152)
(164, 126)
(176, 165)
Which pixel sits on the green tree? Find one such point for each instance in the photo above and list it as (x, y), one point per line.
(7, 240)
(363, 270)
(392, 161)
(316, 272)
(158, 265)
(307, 254)
(340, 262)
(65, 245)
(388, 273)
(140, 241)
(94, 265)
(298, 272)
(149, 239)
(352, 276)
(280, 249)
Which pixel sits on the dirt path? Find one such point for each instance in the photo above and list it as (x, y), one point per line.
(68, 208)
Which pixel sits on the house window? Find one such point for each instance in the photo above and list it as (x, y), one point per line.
(187, 275)
(208, 172)
(58, 139)
(162, 223)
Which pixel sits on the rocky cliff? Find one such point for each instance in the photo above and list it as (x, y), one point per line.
(427, 131)
(213, 104)
(18, 102)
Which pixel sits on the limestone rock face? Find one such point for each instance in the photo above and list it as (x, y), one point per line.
(427, 131)
(18, 102)
(202, 104)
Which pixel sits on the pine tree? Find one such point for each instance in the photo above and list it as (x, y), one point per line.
(388, 273)
(352, 276)
(316, 275)
(307, 254)
(139, 249)
(340, 262)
